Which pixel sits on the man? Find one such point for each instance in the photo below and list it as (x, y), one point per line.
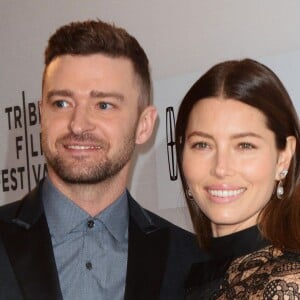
(79, 234)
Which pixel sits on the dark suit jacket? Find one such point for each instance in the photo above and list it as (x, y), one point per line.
(159, 254)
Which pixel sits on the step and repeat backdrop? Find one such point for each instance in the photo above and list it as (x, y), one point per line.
(154, 180)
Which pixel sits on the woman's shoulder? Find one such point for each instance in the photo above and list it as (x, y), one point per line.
(268, 260)
(266, 273)
(267, 257)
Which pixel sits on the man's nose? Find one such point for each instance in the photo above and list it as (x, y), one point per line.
(81, 121)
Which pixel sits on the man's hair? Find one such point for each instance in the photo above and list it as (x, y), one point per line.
(97, 37)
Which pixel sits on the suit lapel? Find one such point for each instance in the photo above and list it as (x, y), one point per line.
(29, 248)
(147, 255)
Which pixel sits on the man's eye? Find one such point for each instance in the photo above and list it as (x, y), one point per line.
(61, 103)
(104, 105)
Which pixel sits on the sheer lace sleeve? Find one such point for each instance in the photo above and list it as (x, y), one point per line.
(264, 274)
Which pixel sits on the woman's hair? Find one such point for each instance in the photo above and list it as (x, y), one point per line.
(254, 84)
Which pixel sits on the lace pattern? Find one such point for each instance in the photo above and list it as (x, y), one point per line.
(264, 274)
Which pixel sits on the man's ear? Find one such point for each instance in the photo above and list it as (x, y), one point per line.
(40, 106)
(286, 155)
(146, 125)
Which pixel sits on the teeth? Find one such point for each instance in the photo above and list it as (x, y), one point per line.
(226, 193)
(77, 147)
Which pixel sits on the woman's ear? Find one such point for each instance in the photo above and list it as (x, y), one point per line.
(146, 125)
(285, 156)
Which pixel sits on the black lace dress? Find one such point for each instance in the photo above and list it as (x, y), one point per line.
(245, 266)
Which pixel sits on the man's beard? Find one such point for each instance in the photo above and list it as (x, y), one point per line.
(78, 170)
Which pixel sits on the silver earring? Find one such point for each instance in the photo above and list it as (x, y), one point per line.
(189, 194)
(280, 188)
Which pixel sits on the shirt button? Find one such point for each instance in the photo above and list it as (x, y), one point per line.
(89, 265)
(90, 224)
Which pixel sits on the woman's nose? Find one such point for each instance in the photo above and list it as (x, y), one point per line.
(223, 165)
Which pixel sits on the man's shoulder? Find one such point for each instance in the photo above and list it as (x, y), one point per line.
(146, 218)
(181, 240)
(9, 210)
(160, 221)
(28, 208)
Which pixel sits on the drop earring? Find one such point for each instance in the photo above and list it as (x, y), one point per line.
(280, 187)
(189, 194)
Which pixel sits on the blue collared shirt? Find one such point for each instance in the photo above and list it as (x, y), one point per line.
(90, 252)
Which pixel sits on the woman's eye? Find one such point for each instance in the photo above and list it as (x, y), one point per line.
(104, 105)
(246, 146)
(61, 103)
(200, 145)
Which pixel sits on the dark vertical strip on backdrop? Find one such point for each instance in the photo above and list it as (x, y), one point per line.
(26, 141)
(170, 131)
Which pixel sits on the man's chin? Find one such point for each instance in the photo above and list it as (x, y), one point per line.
(81, 173)
(80, 180)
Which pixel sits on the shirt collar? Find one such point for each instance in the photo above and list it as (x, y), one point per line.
(116, 218)
(63, 215)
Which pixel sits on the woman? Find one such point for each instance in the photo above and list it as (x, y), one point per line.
(237, 139)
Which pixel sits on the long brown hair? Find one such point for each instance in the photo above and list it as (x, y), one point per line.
(252, 83)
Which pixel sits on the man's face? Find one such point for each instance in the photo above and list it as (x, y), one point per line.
(89, 117)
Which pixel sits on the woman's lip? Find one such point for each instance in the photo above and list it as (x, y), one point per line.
(225, 195)
(225, 192)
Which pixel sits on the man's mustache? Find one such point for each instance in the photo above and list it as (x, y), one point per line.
(83, 138)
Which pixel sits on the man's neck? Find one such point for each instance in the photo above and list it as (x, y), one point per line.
(92, 198)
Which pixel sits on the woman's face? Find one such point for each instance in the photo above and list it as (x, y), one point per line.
(231, 163)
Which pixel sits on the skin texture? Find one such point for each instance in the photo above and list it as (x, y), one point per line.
(231, 162)
(90, 125)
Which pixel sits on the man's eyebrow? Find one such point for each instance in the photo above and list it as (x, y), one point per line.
(64, 93)
(93, 94)
(99, 94)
